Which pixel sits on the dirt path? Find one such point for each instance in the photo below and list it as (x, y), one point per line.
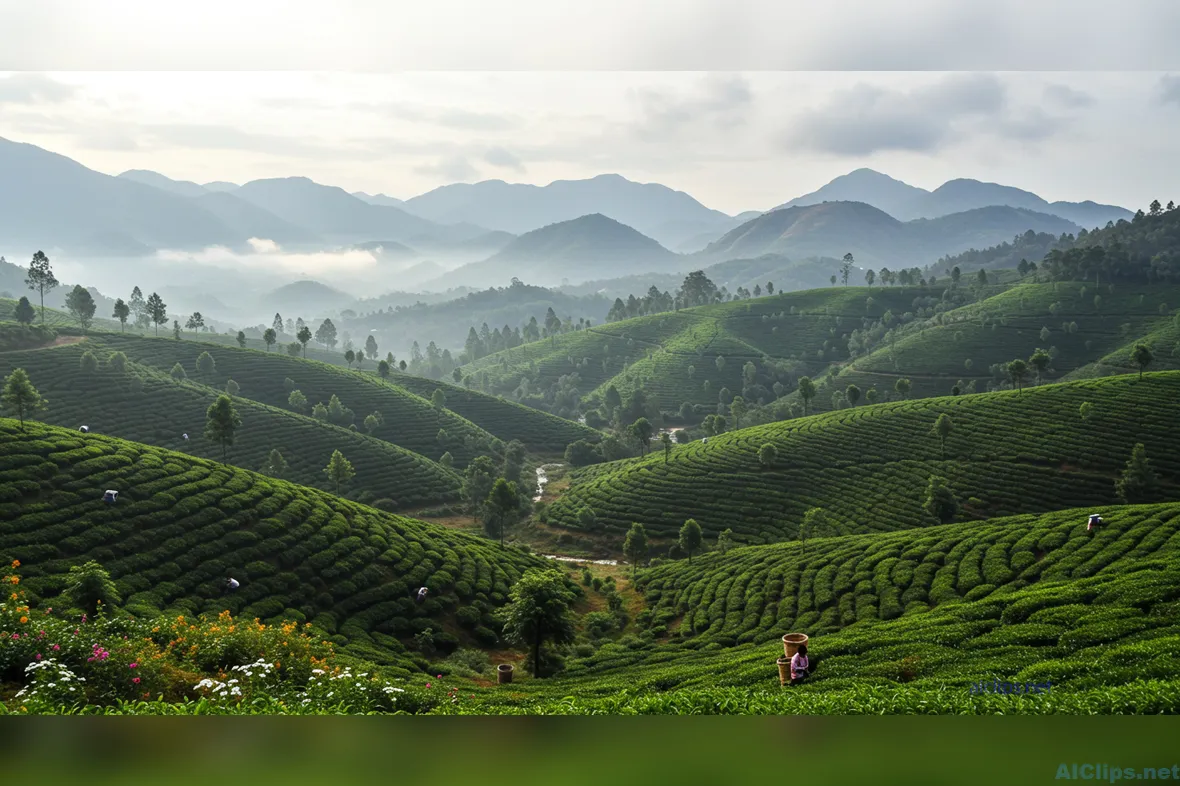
(60, 341)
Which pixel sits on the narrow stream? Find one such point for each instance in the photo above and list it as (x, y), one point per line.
(543, 478)
(583, 561)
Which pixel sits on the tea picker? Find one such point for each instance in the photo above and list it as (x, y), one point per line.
(184, 435)
(1094, 523)
(110, 496)
(421, 594)
(85, 429)
(231, 585)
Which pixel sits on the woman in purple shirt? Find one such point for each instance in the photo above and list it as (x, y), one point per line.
(799, 665)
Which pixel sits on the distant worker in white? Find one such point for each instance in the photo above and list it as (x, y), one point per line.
(110, 496)
(231, 585)
(1094, 523)
(421, 594)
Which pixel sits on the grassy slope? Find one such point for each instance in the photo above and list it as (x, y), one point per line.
(166, 409)
(1164, 341)
(1008, 326)
(1096, 617)
(410, 421)
(183, 524)
(868, 467)
(740, 331)
(505, 419)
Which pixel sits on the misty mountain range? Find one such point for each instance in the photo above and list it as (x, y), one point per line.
(485, 233)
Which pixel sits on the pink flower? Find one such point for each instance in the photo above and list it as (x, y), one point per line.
(133, 665)
(440, 676)
(135, 680)
(428, 684)
(38, 656)
(16, 635)
(56, 647)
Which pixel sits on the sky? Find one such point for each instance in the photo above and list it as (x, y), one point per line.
(743, 104)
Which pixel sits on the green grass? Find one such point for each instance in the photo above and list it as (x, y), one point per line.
(539, 431)
(166, 409)
(1010, 452)
(1164, 341)
(410, 421)
(182, 524)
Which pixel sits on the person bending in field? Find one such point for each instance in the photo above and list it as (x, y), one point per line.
(799, 665)
(231, 585)
(1093, 524)
(421, 594)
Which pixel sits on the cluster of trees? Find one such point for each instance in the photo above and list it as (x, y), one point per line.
(499, 493)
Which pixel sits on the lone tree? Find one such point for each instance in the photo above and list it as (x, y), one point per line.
(813, 521)
(635, 546)
(371, 347)
(1086, 411)
(205, 365)
(1017, 371)
(297, 401)
(88, 363)
(241, 339)
(690, 538)
(21, 397)
(739, 409)
(438, 399)
(852, 394)
(157, 311)
(767, 455)
(304, 336)
(940, 500)
(477, 483)
(1137, 479)
(275, 465)
(24, 313)
(846, 268)
(326, 334)
(503, 499)
(221, 423)
(943, 428)
(41, 279)
(1040, 361)
(269, 337)
(339, 470)
(807, 391)
(80, 304)
(1142, 357)
(538, 612)
(89, 586)
(666, 441)
(349, 357)
(902, 386)
(122, 312)
(642, 430)
(195, 323)
(383, 369)
(725, 539)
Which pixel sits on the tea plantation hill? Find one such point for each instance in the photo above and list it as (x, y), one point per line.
(1164, 342)
(673, 355)
(901, 622)
(961, 345)
(539, 431)
(158, 410)
(410, 421)
(183, 524)
(869, 467)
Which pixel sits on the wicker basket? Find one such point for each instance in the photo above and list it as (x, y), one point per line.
(504, 673)
(791, 643)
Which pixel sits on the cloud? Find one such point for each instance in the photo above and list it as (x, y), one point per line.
(865, 118)
(1066, 97)
(498, 156)
(216, 137)
(263, 245)
(1169, 89)
(721, 100)
(267, 255)
(455, 169)
(32, 88)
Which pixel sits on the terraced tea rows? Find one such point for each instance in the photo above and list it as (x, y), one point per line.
(1008, 326)
(790, 328)
(164, 410)
(505, 419)
(182, 525)
(868, 468)
(1164, 341)
(1024, 599)
(410, 420)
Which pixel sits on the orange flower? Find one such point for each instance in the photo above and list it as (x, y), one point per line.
(16, 563)
(23, 620)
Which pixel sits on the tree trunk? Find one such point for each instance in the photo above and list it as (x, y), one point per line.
(537, 652)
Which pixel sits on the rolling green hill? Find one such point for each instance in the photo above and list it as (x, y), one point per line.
(904, 623)
(410, 421)
(507, 420)
(183, 524)
(868, 468)
(673, 356)
(1077, 331)
(165, 409)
